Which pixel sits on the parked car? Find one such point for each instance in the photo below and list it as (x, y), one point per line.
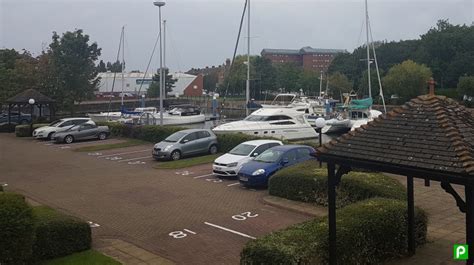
(230, 163)
(46, 132)
(15, 117)
(184, 143)
(84, 131)
(257, 171)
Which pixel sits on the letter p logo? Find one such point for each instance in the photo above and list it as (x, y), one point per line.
(460, 252)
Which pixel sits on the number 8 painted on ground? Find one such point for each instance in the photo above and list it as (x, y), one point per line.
(178, 234)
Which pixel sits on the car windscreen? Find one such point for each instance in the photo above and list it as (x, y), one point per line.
(269, 156)
(55, 123)
(242, 149)
(175, 137)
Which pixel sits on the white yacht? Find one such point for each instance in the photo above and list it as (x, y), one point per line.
(117, 115)
(281, 123)
(177, 115)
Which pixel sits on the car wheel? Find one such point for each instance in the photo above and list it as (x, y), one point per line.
(213, 149)
(102, 136)
(175, 155)
(68, 139)
(49, 136)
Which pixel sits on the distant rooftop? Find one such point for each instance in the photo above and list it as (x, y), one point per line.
(304, 50)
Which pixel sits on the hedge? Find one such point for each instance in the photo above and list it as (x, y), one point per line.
(59, 235)
(24, 130)
(368, 232)
(307, 182)
(7, 128)
(16, 229)
(155, 134)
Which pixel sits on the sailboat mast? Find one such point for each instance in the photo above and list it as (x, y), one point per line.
(378, 72)
(164, 43)
(368, 48)
(122, 66)
(247, 89)
(321, 84)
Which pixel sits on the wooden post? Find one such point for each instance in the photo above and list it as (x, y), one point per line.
(332, 213)
(411, 216)
(469, 223)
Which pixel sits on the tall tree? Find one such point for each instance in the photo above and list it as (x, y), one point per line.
(288, 75)
(338, 84)
(265, 75)
(407, 80)
(309, 82)
(72, 61)
(115, 67)
(154, 89)
(101, 68)
(466, 86)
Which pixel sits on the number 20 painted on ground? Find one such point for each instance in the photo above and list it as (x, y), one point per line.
(243, 216)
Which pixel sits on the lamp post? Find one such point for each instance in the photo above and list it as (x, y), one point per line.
(320, 123)
(159, 4)
(31, 101)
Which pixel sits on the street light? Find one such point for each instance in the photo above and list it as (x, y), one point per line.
(31, 101)
(320, 123)
(159, 4)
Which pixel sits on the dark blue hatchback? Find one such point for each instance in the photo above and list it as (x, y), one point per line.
(258, 171)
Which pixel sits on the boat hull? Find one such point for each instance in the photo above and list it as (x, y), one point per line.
(296, 132)
(172, 119)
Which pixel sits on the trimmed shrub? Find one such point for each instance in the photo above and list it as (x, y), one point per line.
(58, 234)
(8, 128)
(16, 229)
(307, 182)
(24, 130)
(368, 232)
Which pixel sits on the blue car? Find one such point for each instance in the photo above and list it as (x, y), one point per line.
(257, 171)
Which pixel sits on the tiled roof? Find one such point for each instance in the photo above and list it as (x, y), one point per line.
(308, 49)
(24, 96)
(431, 133)
(304, 50)
(281, 51)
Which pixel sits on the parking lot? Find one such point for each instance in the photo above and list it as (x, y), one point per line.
(186, 215)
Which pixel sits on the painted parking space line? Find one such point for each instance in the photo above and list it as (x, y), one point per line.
(202, 176)
(82, 143)
(124, 153)
(229, 230)
(131, 159)
(233, 184)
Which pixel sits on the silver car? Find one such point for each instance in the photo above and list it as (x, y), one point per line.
(185, 143)
(84, 131)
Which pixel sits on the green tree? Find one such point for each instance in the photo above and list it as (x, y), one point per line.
(309, 82)
(374, 83)
(101, 68)
(235, 81)
(466, 86)
(72, 68)
(154, 89)
(407, 80)
(265, 75)
(210, 81)
(288, 76)
(115, 67)
(338, 84)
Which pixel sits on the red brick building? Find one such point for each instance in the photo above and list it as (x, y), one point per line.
(311, 59)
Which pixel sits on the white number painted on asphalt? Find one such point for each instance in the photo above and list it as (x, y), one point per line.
(136, 163)
(243, 216)
(113, 158)
(94, 154)
(180, 234)
(215, 180)
(183, 173)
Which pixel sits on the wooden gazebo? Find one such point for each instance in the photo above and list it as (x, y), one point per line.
(431, 137)
(22, 99)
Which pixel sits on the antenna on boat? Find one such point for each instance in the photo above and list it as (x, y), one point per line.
(122, 65)
(367, 46)
(115, 73)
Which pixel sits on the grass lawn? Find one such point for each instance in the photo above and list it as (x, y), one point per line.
(89, 257)
(187, 162)
(128, 143)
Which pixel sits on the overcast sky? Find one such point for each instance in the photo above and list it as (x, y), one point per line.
(203, 32)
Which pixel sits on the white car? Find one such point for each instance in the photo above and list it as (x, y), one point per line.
(46, 132)
(229, 164)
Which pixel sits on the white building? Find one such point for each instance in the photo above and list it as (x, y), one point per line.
(138, 83)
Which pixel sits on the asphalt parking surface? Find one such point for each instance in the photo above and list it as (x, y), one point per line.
(186, 215)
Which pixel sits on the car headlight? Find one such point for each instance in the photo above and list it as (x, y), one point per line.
(258, 172)
(232, 164)
(167, 147)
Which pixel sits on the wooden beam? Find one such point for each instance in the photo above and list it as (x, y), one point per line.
(459, 201)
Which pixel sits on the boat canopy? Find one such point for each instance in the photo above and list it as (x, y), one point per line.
(358, 104)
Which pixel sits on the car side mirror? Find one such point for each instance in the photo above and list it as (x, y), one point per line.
(255, 154)
(285, 161)
(184, 141)
(313, 154)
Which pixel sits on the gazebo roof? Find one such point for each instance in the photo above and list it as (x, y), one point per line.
(24, 96)
(430, 136)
